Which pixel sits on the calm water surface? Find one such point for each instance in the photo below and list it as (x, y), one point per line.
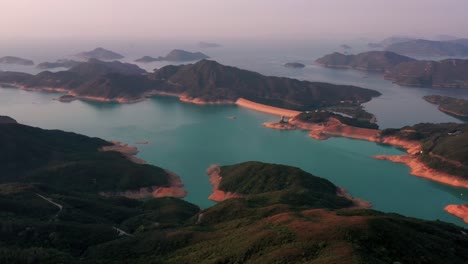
(188, 138)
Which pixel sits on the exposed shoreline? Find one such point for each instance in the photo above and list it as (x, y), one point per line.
(458, 210)
(334, 128)
(175, 188)
(215, 180)
(266, 108)
(358, 203)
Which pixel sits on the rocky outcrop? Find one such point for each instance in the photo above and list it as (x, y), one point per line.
(460, 211)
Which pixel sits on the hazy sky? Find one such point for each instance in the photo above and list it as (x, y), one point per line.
(229, 19)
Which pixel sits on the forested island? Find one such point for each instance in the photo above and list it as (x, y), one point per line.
(203, 82)
(67, 204)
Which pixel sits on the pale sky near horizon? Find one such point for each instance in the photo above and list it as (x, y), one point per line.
(230, 19)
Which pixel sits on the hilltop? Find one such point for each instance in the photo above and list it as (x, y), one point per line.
(375, 61)
(100, 54)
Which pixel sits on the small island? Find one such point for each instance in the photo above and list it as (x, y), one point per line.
(63, 63)
(294, 65)
(372, 61)
(146, 59)
(100, 54)
(16, 60)
(449, 105)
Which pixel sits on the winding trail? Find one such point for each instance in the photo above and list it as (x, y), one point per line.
(121, 232)
(52, 202)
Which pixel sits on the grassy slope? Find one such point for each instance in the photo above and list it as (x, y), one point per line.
(69, 161)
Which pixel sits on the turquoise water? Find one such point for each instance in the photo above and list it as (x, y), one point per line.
(187, 138)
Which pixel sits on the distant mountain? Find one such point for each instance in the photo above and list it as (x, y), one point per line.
(294, 65)
(15, 60)
(449, 73)
(394, 40)
(205, 45)
(182, 55)
(444, 37)
(377, 61)
(450, 105)
(429, 48)
(100, 54)
(64, 63)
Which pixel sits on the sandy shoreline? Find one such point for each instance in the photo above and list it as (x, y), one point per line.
(266, 108)
(215, 180)
(458, 210)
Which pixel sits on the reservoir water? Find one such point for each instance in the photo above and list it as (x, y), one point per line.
(187, 138)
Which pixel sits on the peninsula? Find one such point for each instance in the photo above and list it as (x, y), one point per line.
(100, 54)
(204, 82)
(450, 105)
(16, 60)
(435, 151)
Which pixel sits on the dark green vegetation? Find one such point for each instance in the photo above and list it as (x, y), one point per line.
(205, 80)
(375, 61)
(294, 65)
(100, 54)
(445, 146)
(430, 48)
(69, 161)
(287, 215)
(271, 183)
(15, 60)
(64, 63)
(358, 117)
(451, 105)
(211, 81)
(449, 73)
